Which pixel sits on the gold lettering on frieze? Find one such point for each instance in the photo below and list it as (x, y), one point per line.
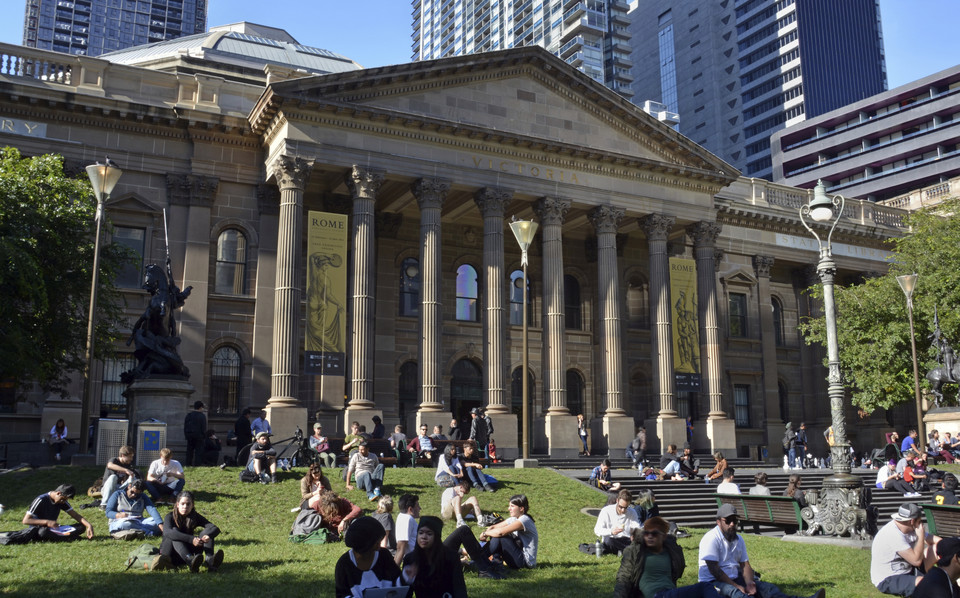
(522, 169)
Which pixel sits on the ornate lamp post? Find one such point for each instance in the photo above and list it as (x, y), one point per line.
(907, 283)
(104, 178)
(842, 491)
(524, 231)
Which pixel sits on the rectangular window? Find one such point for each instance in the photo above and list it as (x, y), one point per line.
(111, 395)
(741, 405)
(738, 315)
(132, 239)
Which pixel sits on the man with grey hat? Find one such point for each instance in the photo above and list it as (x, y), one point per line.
(724, 561)
(901, 551)
(46, 508)
(941, 581)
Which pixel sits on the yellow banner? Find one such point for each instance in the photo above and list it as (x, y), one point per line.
(326, 335)
(686, 329)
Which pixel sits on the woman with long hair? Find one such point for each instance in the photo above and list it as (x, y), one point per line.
(312, 484)
(793, 489)
(514, 539)
(184, 547)
(717, 471)
(58, 438)
(337, 512)
(432, 569)
(582, 433)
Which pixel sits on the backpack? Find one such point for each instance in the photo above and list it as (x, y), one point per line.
(490, 519)
(143, 557)
(247, 475)
(320, 536)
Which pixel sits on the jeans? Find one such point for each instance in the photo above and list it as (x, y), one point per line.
(462, 536)
(672, 468)
(368, 481)
(764, 590)
(149, 526)
(508, 549)
(792, 457)
(476, 476)
(697, 590)
(583, 439)
(110, 486)
(158, 490)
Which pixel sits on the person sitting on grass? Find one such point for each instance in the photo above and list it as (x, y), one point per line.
(118, 473)
(46, 508)
(616, 522)
(336, 512)
(312, 484)
(761, 485)
(432, 568)
(366, 564)
(600, 478)
(727, 486)
(515, 539)
(947, 494)
(368, 469)
(263, 458)
(653, 563)
(165, 477)
(181, 545)
(211, 448)
(452, 502)
(473, 468)
(125, 509)
(384, 516)
(449, 470)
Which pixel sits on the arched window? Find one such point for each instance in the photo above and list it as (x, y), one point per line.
(573, 312)
(516, 299)
(778, 334)
(575, 388)
(407, 390)
(466, 389)
(638, 304)
(231, 275)
(784, 401)
(468, 294)
(410, 287)
(225, 381)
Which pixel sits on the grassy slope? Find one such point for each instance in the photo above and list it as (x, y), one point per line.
(259, 560)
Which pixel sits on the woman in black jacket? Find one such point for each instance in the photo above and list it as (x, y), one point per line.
(181, 545)
(366, 564)
(432, 569)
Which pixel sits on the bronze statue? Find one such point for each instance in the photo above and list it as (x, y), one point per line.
(947, 371)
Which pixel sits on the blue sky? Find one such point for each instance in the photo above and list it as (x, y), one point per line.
(917, 33)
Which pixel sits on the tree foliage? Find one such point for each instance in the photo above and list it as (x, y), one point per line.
(873, 329)
(46, 247)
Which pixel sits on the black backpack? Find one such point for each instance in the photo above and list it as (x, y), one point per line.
(247, 475)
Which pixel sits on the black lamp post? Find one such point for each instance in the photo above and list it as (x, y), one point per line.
(524, 231)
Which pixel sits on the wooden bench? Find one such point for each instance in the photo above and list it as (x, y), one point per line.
(777, 511)
(942, 520)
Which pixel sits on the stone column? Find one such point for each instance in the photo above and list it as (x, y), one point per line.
(768, 348)
(617, 428)
(721, 430)
(492, 201)
(561, 427)
(283, 409)
(430, 194)
(268, 204)
(670, 428)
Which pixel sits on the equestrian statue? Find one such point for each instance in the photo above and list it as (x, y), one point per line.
(947, 371)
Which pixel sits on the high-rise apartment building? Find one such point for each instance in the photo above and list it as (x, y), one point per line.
(592, 35)
(94, 27)
(736, 71)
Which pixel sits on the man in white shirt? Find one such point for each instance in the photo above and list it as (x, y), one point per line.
(165, 478)
(406, 525)
(899, 550)
(727, 486)
(615, 523)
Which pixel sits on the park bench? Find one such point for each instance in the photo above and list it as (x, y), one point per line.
(942, 520)
(777, 511)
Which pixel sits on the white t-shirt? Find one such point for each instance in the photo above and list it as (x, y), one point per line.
(528, 537)
(160, 471)
(608, 519)
(884, 560)
(446, 502)
(443, 466)
(714, 547)
(728, 488)
(406, 529)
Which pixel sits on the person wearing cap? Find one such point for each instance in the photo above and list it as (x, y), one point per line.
(368, 469)
(616, 522)
(725, 564)
(901, 551)
(653, 563)
(46, 508)
(263, 458)
(478, 430)
(432, 568)
(320, 444)
(941, 581)
(366, 564)
(195, 430)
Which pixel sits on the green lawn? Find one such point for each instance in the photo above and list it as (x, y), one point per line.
(260, 561)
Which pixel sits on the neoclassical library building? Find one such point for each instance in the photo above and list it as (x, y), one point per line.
(347, 235)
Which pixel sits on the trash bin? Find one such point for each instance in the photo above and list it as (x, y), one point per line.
(111, 435)
(151, 437)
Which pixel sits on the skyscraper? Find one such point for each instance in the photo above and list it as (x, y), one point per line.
(736, 71)
(94, 27)
(591, 35)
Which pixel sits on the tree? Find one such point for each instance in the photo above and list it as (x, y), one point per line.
(46, 247)
(872, 326)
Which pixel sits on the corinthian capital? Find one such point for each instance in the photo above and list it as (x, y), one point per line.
(364, 182)
(551, 210)
(762, 265)
(656, 226)
(492, 201)
(703, 233)
(430, 192)
(605, 219)
(291, 172)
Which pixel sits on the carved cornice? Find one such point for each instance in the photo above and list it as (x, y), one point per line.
(191, 189)
(762, 265)
(364, 182)
(430, 192)
(551, 210)
(656, 226)
(291, 172)
(606, 219)
(703, 233)
(492, 201)
(388, 224)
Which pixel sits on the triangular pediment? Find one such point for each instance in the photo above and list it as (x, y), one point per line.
(524, 94)
(131, 202)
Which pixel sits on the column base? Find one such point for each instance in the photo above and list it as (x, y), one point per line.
(619, 433)
(284, 421)
(670, 430)
(723, 436)
(507, 435)
(362, 416)
(562, 439)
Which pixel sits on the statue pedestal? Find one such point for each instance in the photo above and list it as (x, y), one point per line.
(163, 399)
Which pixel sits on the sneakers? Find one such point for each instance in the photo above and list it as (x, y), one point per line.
(195, 563)
(461, 523)
(488, 488)
(215, 561)
(58, 456)
(376, 492)
(912, 495)
(273, 479)
(264, 478)
(371, 496)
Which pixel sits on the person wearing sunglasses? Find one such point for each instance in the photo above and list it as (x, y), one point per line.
(653, 563)
(726, 565)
